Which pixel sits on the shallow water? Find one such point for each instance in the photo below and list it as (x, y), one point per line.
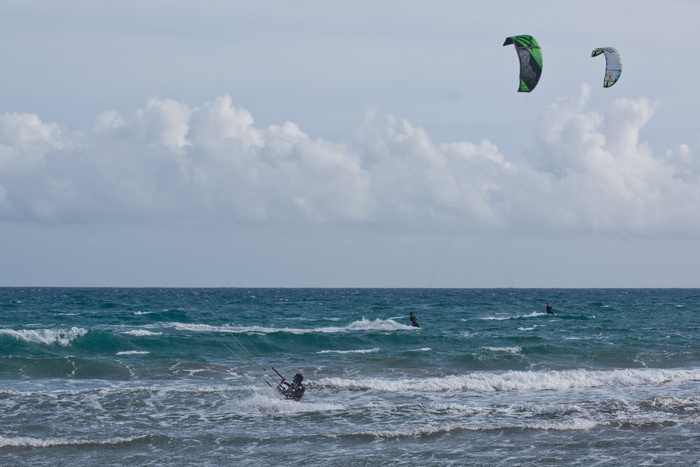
(177, 376)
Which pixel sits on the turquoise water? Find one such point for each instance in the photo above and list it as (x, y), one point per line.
(179, 376)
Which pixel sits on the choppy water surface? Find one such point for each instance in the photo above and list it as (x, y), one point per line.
(176, 376)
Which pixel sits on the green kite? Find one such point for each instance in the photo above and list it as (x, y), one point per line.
(530, 56)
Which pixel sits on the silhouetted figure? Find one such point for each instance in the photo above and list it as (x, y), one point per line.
(294, 390)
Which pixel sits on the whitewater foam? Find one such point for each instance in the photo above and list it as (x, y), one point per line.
(512, 350)
(142, 333)
(576, 424)
(62, 337)
(350, 351)
(519, 381)
(534, 314)
(24, 441)
(361, 325)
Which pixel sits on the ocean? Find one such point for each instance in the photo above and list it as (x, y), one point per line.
(158, 376)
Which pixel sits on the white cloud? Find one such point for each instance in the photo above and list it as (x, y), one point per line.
(164, 122)
(617, 183)
(26, 137)
(583, 169)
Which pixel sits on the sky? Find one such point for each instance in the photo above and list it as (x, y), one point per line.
(347, 144)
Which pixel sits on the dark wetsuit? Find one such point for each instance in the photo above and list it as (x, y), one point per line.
(414, 320)
(291, 390)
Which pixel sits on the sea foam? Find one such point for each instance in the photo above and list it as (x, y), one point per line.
(46, 336)
(360, 325)
(141, 333)
(24, 441)
(519, 381)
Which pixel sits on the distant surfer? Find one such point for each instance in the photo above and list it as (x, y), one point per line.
(294, 390)
(414, 320)
(549, 309)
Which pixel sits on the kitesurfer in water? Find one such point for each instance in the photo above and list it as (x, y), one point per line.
(549, 309)
(294, 390)
(414, 320)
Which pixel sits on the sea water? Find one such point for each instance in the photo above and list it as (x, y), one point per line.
(186, 377)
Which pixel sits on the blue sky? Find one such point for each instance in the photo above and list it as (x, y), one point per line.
(346, 144)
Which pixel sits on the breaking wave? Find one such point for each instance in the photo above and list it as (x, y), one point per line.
(62, 337)
(361, 325)
(519, 381)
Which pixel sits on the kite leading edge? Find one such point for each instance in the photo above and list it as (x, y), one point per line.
(613, 64)
(530, 56)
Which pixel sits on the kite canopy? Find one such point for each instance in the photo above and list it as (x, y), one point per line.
(530, 60)
(613, 64)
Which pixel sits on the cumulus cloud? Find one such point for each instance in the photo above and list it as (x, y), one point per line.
(620, 184)
(581, 170)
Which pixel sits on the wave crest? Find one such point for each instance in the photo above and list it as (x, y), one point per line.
(519, 381)
(360, 325)
(62, 337)
(24, 441)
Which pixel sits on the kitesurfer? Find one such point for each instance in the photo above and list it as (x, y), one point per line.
(294, 390)
(414, 320)
(549, 309)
